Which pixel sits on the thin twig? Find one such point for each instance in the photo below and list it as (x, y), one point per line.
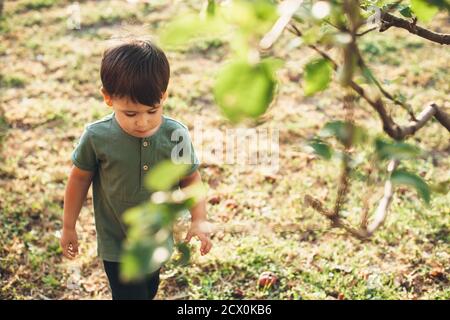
(363, 65)
(382, 209)
(365, 32)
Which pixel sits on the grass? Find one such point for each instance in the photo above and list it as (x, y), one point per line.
(50, 91)
(22, 6)
(12, 81)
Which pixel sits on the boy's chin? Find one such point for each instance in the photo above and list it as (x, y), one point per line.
(142, 134)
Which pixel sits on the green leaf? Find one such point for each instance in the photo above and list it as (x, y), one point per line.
(211, 7)
(395, 150)
(144, 257)
(130, 267)
(401, 176)
(359, 135)
(321, 148)
(317, 76)
(368, 75)
(337, 129)
(342, 131)
(424, 10)
(254, 17)
(245, 90)
(135, 215)
(312, 35)
(441, 4)
(405, 11)
(136, 260)
(165, 175)
(442, 187)
(190, 27)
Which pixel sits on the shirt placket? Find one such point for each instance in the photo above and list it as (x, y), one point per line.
(145, 160)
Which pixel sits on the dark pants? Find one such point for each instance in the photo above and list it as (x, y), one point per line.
(144, 289)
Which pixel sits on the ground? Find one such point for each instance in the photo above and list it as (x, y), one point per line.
(50, 90)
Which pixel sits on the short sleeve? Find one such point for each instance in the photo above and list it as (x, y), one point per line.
(195, 163)
(184, 152)
(84, 156)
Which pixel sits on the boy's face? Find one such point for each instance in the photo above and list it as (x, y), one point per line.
(134, 118)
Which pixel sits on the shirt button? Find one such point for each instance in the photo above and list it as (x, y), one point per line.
(145, 167)
(145, 143)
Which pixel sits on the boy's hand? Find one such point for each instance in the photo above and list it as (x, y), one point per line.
(201, 230)
(69, 243)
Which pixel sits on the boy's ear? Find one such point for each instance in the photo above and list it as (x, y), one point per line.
(106, 97)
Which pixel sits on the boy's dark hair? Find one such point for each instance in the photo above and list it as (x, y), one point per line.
(137, 69)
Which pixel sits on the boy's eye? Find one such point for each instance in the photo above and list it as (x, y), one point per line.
(133, 114)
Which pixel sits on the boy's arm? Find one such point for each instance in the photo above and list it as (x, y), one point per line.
(75, 194)
(198, 212)
(199, 225)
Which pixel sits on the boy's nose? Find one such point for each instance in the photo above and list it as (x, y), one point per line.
(140, 123)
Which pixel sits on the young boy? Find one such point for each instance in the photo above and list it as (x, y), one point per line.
(116, 152)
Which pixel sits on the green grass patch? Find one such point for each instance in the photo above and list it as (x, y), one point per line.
(36, 4)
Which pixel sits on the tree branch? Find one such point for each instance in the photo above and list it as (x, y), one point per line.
(382, 209)
(336, 221)
(442, 117)
(362, 64)
(389, 20)
(389, 126)
(380, 214)
(394, 130)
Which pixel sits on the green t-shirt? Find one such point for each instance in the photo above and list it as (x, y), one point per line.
(120, 162)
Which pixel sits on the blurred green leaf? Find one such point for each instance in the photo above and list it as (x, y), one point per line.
(395, 150)
(149, 242)
(211, 7)
(254, 17)
(165, 175)
(368, 75)
(246, 90)
(424, 10)
(441, 187)
(321, 148)
(131, 266)
(337, 129)
(337, 16)
(190, 27)
(360, 135)
(139, 216)
(317, 76)
(312, 35)
(401, 176)
(342, 131)
(188, 196)
(144, 257)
